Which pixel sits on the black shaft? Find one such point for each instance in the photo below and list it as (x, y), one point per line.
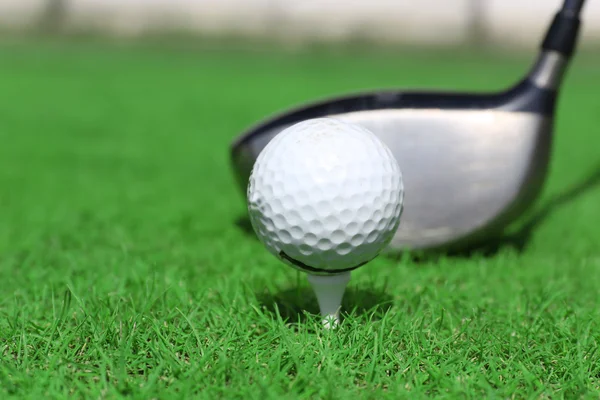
(563, 33)
(573, 6)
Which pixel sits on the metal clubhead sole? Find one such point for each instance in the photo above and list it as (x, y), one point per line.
(467, 173)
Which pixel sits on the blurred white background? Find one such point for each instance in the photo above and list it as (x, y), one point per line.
(506, 22)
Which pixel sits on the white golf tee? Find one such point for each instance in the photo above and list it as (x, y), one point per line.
(329, 290)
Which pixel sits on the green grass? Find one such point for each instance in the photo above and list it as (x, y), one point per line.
(127, 269)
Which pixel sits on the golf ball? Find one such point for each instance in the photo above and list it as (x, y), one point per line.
(325, 196)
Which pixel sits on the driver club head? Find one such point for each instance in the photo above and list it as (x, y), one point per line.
(471, 162)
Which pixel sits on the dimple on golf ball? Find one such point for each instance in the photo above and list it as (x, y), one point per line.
(325, 196)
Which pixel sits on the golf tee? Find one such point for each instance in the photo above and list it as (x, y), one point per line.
(329, 290)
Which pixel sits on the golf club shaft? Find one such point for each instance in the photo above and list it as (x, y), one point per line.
(573, 6)
(563, 33)
(558, 47)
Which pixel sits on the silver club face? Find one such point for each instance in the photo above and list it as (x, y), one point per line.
(467, 173)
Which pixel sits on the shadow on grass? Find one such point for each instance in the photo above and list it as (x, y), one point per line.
(244, 225)
(293, 304)
(517, 240)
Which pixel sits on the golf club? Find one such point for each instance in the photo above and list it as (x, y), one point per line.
(472, 162)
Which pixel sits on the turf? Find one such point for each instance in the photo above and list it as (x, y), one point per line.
(129, 270)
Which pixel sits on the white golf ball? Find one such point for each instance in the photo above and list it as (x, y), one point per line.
(325, 196)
